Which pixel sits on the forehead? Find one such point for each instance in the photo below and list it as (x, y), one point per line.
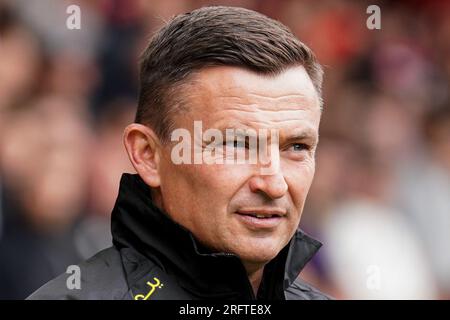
(235, 97)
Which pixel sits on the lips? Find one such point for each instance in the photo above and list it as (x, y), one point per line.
(262, 214)
(260, 219)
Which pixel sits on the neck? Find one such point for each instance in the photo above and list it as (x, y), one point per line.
(254, 273)
(155, 194)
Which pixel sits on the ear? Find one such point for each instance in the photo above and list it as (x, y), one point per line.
(143, 148)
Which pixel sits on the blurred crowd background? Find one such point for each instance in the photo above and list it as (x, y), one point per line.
(380, 201)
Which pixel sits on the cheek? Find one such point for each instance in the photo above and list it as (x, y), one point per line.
(203, 185)
(299, 178)
(221, 181)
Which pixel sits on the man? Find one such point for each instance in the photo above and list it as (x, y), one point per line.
(202, 225)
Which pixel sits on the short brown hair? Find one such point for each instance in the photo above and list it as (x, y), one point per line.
(213, 36)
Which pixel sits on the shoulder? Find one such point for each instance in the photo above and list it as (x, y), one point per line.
(101, 277)
(300, 290)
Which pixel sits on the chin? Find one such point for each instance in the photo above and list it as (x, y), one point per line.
(258, 250)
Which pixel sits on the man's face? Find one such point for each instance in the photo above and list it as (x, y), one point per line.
(218, 203)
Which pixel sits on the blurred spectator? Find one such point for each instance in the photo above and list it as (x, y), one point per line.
(43, 161)
(424, 193)
(107, 161)
(20, 60)
(370, 246)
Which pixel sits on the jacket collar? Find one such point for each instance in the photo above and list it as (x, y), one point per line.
(137, 223)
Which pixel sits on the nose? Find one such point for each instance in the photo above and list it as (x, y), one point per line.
(270, 180)
(274, 185)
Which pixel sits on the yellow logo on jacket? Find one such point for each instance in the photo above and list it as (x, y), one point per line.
(153, 287)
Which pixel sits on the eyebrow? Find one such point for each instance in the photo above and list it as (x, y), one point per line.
(312, 142)
(303, 135)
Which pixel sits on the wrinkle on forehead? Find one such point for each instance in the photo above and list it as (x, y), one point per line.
(264, 119)
(288, 98)
(264, 101)
(228, 93)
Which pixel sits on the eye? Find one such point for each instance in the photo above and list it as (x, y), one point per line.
(236, 144)
(297, 147)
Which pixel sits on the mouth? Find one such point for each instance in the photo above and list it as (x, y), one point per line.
(261, 219)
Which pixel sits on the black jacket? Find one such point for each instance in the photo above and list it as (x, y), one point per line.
(155, 258)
